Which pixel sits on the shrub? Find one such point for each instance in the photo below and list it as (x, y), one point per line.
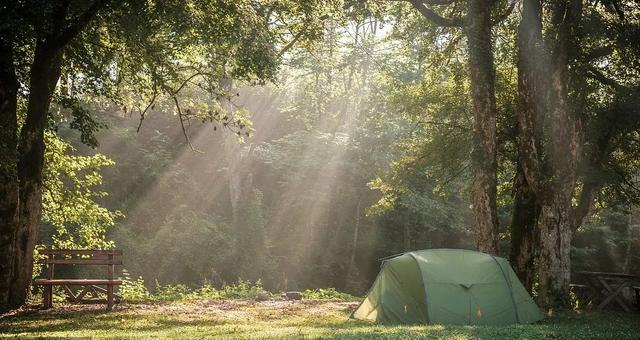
(326, 294)
(241, 290)
(133, 290)
(207, 291)
(171, 292)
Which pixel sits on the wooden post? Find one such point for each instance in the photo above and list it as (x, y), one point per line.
(48, 289)
(111, 268)
(109, 297)
(47, 297)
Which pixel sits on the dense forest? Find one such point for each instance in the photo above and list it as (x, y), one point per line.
(300, 142)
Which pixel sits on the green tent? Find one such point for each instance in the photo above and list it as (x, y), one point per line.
(447, 286)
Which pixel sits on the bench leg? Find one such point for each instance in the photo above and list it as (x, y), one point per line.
(109, 297)
(47, 297)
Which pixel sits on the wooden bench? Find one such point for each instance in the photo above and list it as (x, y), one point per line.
(108, 258)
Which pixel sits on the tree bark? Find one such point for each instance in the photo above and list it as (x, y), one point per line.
(554, 260)
(550, 174)
(524, 238)
(45, 72)
(482, 74)
(531, 99)
(526, 208)
(556, 222)
(9, 192)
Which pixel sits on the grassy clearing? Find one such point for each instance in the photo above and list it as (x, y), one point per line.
(237, 319)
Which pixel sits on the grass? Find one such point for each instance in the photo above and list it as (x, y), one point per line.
(238, 319)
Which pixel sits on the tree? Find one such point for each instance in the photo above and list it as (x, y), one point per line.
(477, 24)
(23, 168)
(564, 144)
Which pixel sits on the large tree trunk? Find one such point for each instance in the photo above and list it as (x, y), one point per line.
(556, 228)
(482, 74)
(526, 209)
(554, 260)
(543, 87)
(524, 236)
(9, 193)
(45, 72)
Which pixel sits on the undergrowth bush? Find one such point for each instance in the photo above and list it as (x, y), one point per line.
(241, 290)
(134, 291)
(171, 292)
(326, 294)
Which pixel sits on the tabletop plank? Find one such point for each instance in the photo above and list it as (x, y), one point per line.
(605, 274)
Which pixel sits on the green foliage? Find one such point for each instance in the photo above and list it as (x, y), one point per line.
(327, 294)
(70, 198)
(170, 292)
(150, 56)
(241, 290)
(82, 120)
(135, 291)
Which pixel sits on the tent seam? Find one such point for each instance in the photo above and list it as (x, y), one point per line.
(424, 287)
(513, 301)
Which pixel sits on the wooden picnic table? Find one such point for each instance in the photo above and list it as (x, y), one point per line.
(608, 287)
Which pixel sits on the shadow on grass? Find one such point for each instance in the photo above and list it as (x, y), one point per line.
(97, 320)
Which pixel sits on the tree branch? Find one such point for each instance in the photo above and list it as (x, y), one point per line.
(184, 83)
(184, 129)
(587, 199)
(596, 74)
(143, 113)
(174, 97)
(291, 43)
(83, 20)
(296, 37)
(421, 6)
(599, 52)
(438, 2)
